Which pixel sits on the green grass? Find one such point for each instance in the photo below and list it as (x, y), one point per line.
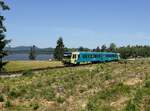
(27, 65)
(97, 87)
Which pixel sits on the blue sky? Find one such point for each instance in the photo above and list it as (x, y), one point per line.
(88, 23)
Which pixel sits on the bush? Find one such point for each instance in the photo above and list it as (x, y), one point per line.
(27, 72)
(147, 108)
(5, 89)
(34, 106)
(60, 99)
(108, 77)
(147, 83)
(133, 104)
(14, 93)
(130, 106)
(1, 98)
(142, 62)
(91, 106)
(8, 104)
(121, 88)
(48, 93)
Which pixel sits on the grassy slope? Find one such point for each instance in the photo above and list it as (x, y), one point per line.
(98, 87)
(26, 65)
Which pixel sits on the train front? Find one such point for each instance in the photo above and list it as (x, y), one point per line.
(67, 58)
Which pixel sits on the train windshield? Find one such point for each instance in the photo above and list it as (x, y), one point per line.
(67, 55)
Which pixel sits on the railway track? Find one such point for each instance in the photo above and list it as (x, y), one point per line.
(21, 72)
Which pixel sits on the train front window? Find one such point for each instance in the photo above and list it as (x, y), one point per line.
(67, 55)
(74, 56)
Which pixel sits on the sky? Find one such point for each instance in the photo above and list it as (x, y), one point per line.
(88, 23)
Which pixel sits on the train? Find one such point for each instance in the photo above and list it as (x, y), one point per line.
(76, 58)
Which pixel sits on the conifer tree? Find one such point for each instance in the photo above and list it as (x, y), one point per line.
(103, 48)
(3, 41)
(32, 53)
(59, 50)
(97, 49)
(81, 48)
(112, 47)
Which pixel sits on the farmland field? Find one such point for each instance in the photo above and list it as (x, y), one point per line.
(114, 86)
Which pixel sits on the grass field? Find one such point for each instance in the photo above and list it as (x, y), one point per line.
(98, 87)
(27, 65)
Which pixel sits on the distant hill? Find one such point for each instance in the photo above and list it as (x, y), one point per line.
(26, 49)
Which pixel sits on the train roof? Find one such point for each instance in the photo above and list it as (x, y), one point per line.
(95, 52)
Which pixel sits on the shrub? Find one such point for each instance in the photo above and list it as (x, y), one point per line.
(147, 83)
(27, 72)
(34, 106)
(8, 104)
(60, 99)
(14, 93)
(142, 62)
(5, 89)
(91, 106)
(1, 98)
(121, 88)
(48, 93)
(108, 77)
(133, 104)
(130, 106)
(147, 106)
(39, 84)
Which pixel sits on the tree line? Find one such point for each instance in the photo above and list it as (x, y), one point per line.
(125, 51)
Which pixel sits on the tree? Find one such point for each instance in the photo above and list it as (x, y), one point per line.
(3, 41)
(81, 48)
(97, 49)
(32, 53)
(59, 50)
(103, 48)
(112, 47)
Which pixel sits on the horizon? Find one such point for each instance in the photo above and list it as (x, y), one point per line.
(76, 47)
(80, 23)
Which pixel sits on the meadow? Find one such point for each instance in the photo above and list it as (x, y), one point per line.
(29, 65)
(114, 86)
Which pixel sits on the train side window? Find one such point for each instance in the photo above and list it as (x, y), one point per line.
(84, 56)
(98, 56)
